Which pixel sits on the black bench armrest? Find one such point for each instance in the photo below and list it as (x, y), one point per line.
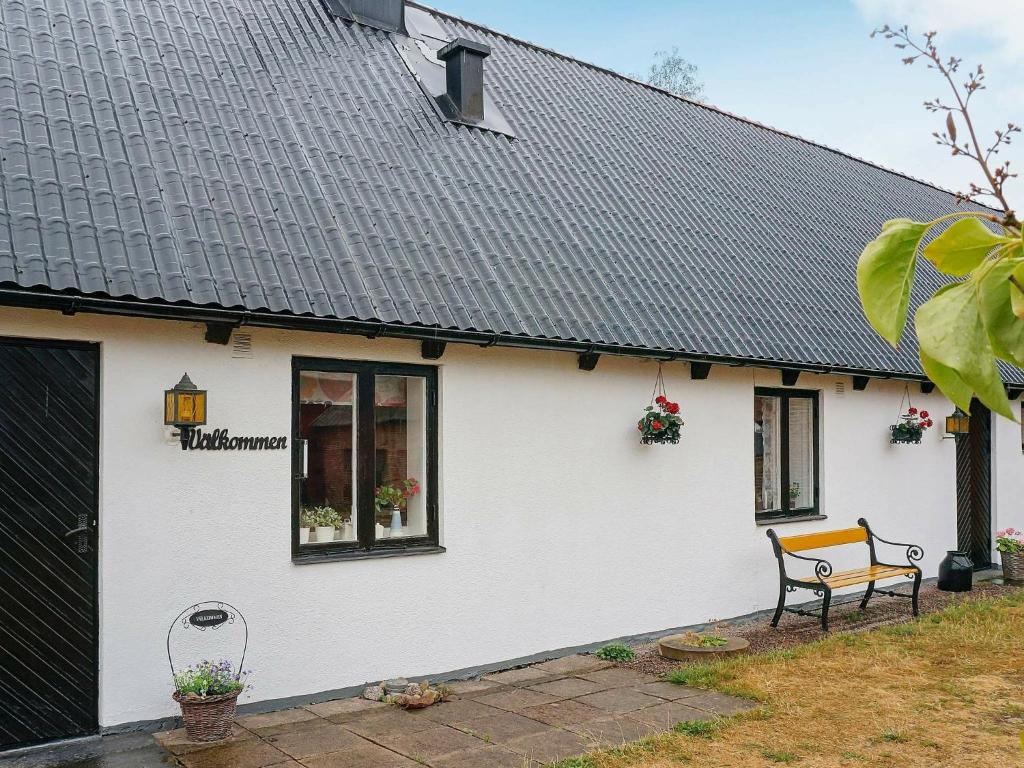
(822, 568)
(914, 553)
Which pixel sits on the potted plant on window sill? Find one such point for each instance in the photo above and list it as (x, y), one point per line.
(325, 520)
(395, 498)
(307, 521)
(208, 694)
(1010, 543)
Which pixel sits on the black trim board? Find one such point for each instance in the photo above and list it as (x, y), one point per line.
(70, 304)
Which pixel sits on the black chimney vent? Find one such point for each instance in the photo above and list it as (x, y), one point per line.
(388, 15)
(464, 65)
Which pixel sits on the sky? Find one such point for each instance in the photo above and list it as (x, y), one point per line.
(807, 67)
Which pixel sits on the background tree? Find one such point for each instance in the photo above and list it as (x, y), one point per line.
(672, 72)
(979, 316)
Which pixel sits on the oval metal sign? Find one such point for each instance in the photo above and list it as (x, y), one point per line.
(211, 617)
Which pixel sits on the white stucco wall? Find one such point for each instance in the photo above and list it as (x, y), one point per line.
(1007, 474)
(560, 528)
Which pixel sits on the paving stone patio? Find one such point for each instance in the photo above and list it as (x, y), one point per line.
(519, 718)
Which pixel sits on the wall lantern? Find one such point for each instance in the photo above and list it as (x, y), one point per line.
(958, 424)
(185, 408)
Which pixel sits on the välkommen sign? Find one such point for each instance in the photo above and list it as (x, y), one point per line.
(220, 440)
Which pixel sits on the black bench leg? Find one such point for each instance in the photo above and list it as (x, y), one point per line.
(867, 595)
(824, 609)
(780, 606)
(917, 589)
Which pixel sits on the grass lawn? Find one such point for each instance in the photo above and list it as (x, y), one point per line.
(947, 689)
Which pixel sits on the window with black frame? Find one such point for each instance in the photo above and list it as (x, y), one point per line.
(365, 459)
(785, 453)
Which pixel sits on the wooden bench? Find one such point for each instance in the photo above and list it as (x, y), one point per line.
(824, 580)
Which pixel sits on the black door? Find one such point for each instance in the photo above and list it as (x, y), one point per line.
(974, 488)
(48, 480)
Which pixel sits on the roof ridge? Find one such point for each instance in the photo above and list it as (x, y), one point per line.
(694, 102)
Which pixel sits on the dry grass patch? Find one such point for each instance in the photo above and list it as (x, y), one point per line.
(946, 689)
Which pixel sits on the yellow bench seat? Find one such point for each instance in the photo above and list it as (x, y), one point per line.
(862, 575)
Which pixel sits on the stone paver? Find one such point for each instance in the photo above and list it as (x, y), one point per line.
(618, 701)
(251, 753)
(362, 755)
(567, 687)
(274, 719)
(719, 703)
(344, 707)
(615, 677)
(428, 745)
(519, 718)
(550, 745)
(667, 714)
(613, 731)
(503, 727)
(563, 713)
(516, 699)
(515, 676)
(318, 739)
(573, 665)
(487, 757)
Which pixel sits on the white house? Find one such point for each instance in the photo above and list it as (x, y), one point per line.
(467, 271)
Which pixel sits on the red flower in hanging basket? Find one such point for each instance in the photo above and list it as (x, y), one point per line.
(911, 426)
(672, 407)
(660, 399)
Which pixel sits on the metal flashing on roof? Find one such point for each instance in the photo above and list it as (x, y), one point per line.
(387, 15)
(421, 52)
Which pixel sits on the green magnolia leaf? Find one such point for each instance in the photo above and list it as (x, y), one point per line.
(885, 274)
(962, 247)
(948, 380)
(1017, 292)
(951, 333)
(1005, 329)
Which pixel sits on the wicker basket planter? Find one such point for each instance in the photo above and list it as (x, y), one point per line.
(1013, 565)
(209, 718)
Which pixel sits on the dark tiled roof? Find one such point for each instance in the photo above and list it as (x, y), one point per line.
(257, 154)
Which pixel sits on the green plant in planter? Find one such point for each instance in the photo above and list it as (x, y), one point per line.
(1010, 541)
(320, 517)
(660, 422)
(397, 495)
(616, 652)
(911, 427)
(209, 678)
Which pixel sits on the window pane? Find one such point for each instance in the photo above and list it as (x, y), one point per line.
(801, 453)
(327, 419)
(767, 450)
(400, 416)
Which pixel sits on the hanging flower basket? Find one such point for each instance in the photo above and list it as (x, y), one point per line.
(911, 426)
(661, 422)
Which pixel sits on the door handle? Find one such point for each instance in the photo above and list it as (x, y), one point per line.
(76, 531)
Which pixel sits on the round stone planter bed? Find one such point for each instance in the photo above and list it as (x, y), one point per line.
(681, 648)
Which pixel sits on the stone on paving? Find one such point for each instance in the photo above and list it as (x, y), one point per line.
(568, 687)
(487, 757)
(516, 676)
(612, 731)
(272, 719)
(618, 701)
(502, 727)
(719, 703)
(365, 755)
(315, 740)
(458, 711)
(550, 745)
(251, 753)
(390, 721)
(177, 742)
(667, 714)
(463, 687)
(668, 691)
(344, 707)
(516, 699)
(572, 665)
(615, 677)
(563, 713)
(427, 745)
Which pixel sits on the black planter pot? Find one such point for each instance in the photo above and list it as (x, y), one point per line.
(956, 572)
